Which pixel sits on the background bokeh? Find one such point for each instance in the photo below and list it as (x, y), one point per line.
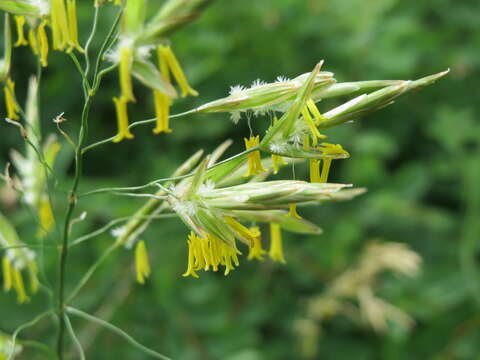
(419, 159)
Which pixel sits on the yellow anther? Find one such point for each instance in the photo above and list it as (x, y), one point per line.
(167, 56)
(142, 265)
(325, 170)
(7, 274)
(32, 272)
(46, 218)
(277, 161)
(72, 26)
(162, 112)
(32, 39)
(315, 171)
(10, 103)
(20, 22)
(242, 230)
(163, 64)
(311, 125)
(254, 160)
(293, 211)
(192, 245)
(19, 286)
(43, 43)
(256, 251)
(59, 24)
(122, 120)
(314, 111)
(125, 68)
(229, 258)
(276, 246)
(306, 142)
(330, 149)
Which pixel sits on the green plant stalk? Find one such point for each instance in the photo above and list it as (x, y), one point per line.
(26, 326)
(91, 270)
(72, 200)
(117, 331)
(469, 238)
(77, 343)
(72, 195)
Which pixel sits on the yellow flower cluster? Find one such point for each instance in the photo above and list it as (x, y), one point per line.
(13, 279)
(168, 65)
(210, 252)
(63, 23)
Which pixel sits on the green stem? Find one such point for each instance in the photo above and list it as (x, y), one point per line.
(72, 200)
(117, 331)
(132, 125)
(4, 248)
(86, 85)
(112, 223)
(40, 346)
(90, 39)
(175, 178)
(90, 272)
(471, 228)
(109, 40)
(72, 196)
(25, 326)
(75, 340)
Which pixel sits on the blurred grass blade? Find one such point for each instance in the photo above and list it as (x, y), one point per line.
(173, 15)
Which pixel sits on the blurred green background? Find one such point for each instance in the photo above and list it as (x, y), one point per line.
(419, 159)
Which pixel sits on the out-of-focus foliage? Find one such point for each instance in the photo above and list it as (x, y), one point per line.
(419, 160)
